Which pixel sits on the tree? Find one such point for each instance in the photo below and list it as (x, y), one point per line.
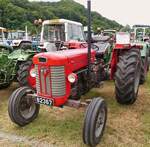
(127, 28)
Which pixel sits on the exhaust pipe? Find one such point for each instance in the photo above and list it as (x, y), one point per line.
(89, 35)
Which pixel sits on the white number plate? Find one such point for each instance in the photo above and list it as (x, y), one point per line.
(44, 101)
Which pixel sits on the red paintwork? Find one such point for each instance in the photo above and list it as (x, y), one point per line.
(31, 80)
(114, 61)
(76, 59)
(70, 45)
(73, 60)
(122, 46)
(76, 44)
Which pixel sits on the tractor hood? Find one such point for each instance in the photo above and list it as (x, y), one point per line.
(74, 59)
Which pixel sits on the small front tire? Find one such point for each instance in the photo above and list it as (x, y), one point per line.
(94, 122)
(21, 108)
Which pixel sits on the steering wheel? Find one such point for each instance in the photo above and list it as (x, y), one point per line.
(59, 45)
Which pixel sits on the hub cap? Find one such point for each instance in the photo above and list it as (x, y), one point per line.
(100, 122)
(27, 107)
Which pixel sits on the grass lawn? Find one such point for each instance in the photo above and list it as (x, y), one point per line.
(127, 126)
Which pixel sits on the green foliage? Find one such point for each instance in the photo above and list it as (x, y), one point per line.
(126, 28)
(15, 14)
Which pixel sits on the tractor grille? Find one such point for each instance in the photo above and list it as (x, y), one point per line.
(58, 81)
(53, 82)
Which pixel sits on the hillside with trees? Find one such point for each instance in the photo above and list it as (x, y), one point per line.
(16, 14)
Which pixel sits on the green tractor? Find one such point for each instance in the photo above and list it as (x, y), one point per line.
(141, 37)
(10, 61)
(7, 66)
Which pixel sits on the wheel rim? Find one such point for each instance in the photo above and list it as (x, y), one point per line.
(137, 79)
(27, 107)
(100, 122)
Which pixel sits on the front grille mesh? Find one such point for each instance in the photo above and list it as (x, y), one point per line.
(58, 81)
(55, 81)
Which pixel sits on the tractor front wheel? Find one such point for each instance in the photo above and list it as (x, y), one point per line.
(23, 74)
(127, 76)
(21, 108)
(94, 122)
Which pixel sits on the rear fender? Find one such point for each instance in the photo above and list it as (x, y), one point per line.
(115, 56)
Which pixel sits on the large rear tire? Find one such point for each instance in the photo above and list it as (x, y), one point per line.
(24, 78)
(94, 122)
(21, 108)
(127, 76)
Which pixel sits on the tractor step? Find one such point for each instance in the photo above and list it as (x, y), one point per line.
(76, 104)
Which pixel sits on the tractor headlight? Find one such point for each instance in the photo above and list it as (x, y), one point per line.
(33, 73)
(72, 78)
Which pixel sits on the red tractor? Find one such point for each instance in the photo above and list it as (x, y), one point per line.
(56, 34)
(61, 78)
(126, 68)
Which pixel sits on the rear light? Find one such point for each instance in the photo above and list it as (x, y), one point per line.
(126, 46)
(139, 46)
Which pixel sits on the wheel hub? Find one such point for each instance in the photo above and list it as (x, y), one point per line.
(100, 123)
(27, 107)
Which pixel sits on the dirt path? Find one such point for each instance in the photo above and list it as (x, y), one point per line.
(18, 140)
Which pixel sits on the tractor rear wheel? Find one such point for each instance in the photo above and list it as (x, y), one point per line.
(24, 78)
(127, 76)
(144, 69)
(94, 122)
(21, 108)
